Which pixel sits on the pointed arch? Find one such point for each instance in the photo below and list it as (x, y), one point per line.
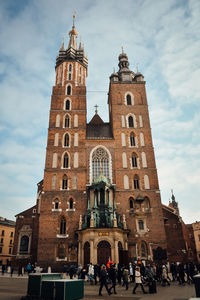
(136, 182)
(134, 160)
(132, 139)
(66, 160)
(100, 163)
(67, 121)
(66, 140)
(129, 98)
(131, 121)
(64, 182)
(68, 89)
(67, 104)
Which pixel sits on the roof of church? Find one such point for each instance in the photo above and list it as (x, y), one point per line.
(96, 120)
(97, 129)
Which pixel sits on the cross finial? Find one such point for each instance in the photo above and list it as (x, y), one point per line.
(96, 106)
(137, 65)
(122, 49)
(172, 191)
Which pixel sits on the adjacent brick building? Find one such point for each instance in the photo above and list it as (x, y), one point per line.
(100, 195)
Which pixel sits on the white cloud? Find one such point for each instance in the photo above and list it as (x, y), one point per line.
(163, 37)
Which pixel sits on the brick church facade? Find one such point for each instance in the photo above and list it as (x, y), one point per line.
(100, 197)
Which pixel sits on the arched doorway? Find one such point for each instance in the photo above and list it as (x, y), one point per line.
(86, 253)
(103, 252)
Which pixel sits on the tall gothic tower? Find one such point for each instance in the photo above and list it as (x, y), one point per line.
(100, 196)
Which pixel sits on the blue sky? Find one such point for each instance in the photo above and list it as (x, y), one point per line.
(162, 37)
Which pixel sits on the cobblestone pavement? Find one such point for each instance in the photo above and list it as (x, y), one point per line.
(14, 288)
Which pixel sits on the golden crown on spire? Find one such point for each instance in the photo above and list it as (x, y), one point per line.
(73, 31)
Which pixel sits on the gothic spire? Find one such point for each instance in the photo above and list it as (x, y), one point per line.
(73, 35)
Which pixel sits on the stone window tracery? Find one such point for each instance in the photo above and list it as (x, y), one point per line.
(100, 163)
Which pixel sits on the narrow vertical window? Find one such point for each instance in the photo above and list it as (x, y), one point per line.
(71, 203)
(136, 182)
(66, 161)
(70, 72)
(66, 140)
(67, 105)
(130, 121)
(128, 100)
(131, 202)
(141, 224)
(132, 139)
(65, 182)
(69, 90)
(63, 226)
(134, 160)
(67, 121)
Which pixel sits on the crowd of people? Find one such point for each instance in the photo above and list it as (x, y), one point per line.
(136, 275)
(133, 275)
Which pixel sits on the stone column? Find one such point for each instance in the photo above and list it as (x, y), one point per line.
(116, 252)
(92, 251)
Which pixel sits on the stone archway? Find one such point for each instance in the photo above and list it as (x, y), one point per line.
(103, 252)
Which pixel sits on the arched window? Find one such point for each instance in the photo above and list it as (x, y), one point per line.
(130, 121)
(141, 224)
(71, 203)
(134, 160)
(136, 182)
(66, 140)
(58, 121)
(24, 244)
(69, 90)
(128, 100)
(63, 226)
(67, 104)
(132, 139)
(65, 182)
(67, 121)
(100, 163)
(131, 201)
(66, 161)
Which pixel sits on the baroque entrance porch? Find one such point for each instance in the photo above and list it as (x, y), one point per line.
(90, 238)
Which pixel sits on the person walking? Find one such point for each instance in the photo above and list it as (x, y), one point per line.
(113, 277)
(103, 280)
(125, 277)
(138, 280)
